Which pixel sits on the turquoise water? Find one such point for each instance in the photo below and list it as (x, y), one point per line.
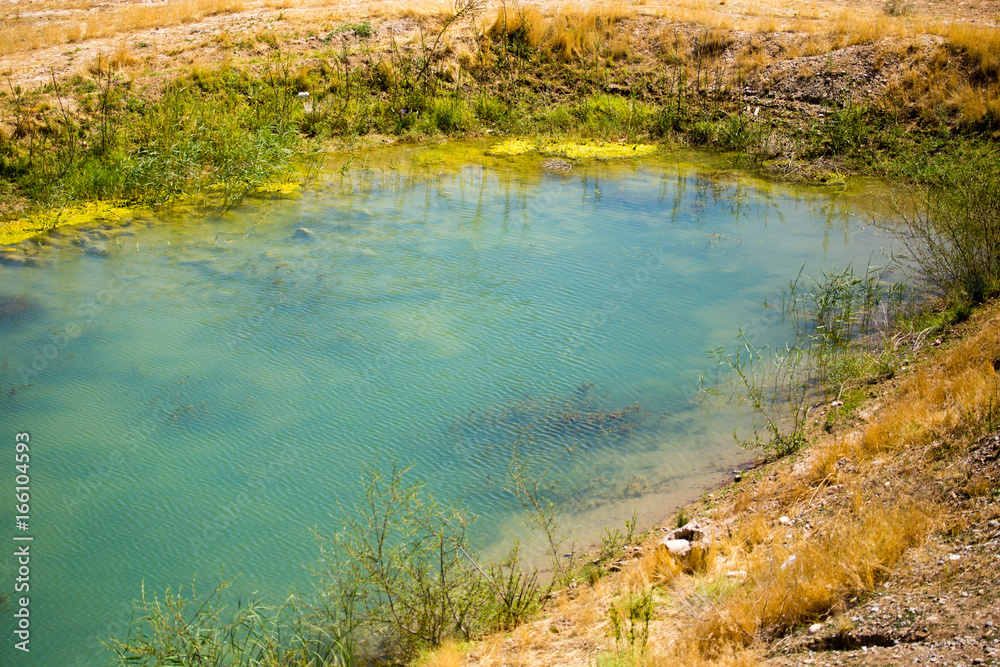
(204, 395)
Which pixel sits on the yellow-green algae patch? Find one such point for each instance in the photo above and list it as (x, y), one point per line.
(274, 187)
(22, 229)
(514, 147)
(448, 154)
(286, 188)
(572, 149)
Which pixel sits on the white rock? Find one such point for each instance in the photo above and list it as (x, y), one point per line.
(784, 521)
(815, 627)
(677, 547)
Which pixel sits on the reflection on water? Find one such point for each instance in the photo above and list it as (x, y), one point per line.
(202, 392)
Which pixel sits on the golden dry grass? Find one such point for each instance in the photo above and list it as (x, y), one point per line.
(981, 44)
(792, 581)
(115, 20)
(753, 56)
(120, 59)
(567, 35)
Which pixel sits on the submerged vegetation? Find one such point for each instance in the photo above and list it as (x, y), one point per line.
(851, 331)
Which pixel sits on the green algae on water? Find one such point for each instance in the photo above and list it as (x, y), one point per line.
(100, 211)
(574, 150)
(28, 227)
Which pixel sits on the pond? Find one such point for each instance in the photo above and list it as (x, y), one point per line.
(203, 391)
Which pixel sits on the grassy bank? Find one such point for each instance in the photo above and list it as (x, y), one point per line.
(887, 96)
(221, 134)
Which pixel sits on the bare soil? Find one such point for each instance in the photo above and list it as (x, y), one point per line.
(310, 28)
(939, 607)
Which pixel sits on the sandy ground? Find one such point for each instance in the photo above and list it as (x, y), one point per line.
(42, 38)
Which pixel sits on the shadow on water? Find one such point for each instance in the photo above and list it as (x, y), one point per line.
(15, 309)
(552, 429)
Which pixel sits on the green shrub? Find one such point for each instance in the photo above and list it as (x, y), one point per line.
(490, 109)
(612, 115)
(952, 234)
(399, 574)
(448, 115)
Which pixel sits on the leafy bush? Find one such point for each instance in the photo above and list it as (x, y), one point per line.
(399, 577)
(953, 232)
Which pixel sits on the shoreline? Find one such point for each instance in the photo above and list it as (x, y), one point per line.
(898, 616)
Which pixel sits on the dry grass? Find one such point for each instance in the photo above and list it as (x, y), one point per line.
(569, 35)
(794, 577)
(449, 654)
(713, 42)
(753, 56)
(980, 44)
(850, 28)
(949, 403)
(966, 87)
(120, 59)
(26, 35)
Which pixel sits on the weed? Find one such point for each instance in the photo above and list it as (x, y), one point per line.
(363, 30)
(614, 540)
(192, 629)
(541, 511)
(400, 579)
(775, 384)
(630, 620)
